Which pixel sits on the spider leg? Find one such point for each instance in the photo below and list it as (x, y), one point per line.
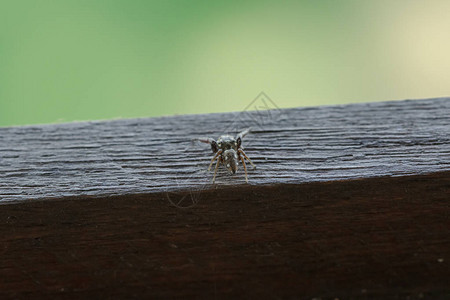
(250, 161)
(205, 140)
(243, 133)
(215, 170)
(245, 168)
(214, 158)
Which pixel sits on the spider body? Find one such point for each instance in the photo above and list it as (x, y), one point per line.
(228, 151)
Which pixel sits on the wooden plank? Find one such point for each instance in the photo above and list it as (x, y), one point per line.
(348, 202)
(378, 238)
(289, 146)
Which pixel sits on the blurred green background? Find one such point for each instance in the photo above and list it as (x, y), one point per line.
(91, 59)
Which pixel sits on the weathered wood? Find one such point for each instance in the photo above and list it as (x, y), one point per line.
(290, 146)
(348, 202)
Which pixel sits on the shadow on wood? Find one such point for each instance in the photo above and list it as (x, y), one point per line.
(373, 238)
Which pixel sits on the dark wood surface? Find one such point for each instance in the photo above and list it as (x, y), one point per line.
(347, 202)
(378, 238)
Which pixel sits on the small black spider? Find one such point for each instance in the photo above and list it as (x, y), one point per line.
(228, 151)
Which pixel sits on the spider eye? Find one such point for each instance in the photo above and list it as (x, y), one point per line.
(239, 142)
(214, 146)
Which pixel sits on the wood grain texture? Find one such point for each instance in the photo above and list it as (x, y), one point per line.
(288, 146)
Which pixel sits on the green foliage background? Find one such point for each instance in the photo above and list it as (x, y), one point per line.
(95, 59)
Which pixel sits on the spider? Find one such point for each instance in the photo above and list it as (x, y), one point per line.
(228, 151)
